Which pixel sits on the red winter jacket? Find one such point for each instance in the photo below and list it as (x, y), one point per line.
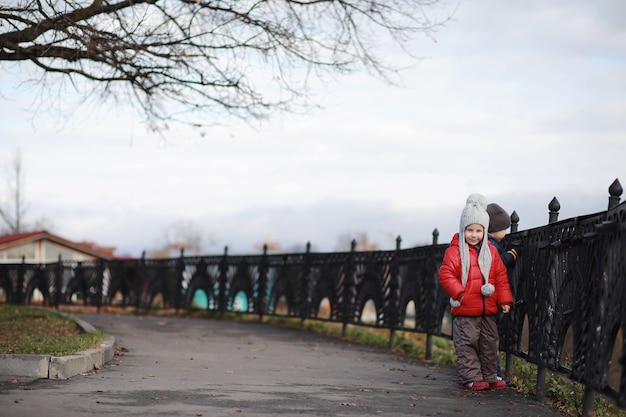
(473, 303)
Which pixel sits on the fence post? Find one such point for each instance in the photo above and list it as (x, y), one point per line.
(429, 336)
(19, 289)
(394, 286)
(615, 191)
(58, 284)
(540, 395)
(589, 397)
(263, 267)
(99, 285)
(223, 280)
(79, 277)
(139, 282)
(180, 269)
(508, 364)
(304, 287)
(347, 289)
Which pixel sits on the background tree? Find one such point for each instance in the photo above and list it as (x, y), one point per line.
(363, 243)
(195, 61)
(14, 207)
(179, 235)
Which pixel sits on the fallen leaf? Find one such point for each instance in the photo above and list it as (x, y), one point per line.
(119, 350)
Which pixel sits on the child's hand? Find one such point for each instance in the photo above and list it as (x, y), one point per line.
(506, 308)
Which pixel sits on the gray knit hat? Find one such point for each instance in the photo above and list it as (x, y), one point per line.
(475, 212)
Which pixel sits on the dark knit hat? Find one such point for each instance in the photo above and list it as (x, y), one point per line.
(499, 219)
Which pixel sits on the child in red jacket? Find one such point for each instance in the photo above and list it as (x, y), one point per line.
(474, 276)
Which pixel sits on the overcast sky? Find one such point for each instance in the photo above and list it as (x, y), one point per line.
(521, 101)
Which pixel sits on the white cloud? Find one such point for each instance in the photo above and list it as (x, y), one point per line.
(521, 101)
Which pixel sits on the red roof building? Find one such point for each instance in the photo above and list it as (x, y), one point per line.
(43, 247)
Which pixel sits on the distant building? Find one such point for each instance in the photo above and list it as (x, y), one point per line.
(41, 247)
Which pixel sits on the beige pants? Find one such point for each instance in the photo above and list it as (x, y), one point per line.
(476, 345)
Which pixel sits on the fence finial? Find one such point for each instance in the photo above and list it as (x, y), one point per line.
(435, 236)
(615, 191)
(554, 208)
(514, 221)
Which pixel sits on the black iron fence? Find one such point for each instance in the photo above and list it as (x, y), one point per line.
(569, 285)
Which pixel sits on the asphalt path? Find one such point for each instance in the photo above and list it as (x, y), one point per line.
(189, 367)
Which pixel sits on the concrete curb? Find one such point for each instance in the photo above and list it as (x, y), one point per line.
(58, 367)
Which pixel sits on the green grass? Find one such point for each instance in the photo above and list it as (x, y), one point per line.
(561, 393)
(30, 330)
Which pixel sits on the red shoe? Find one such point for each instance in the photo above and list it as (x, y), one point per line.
(499, 384)
(476, 386)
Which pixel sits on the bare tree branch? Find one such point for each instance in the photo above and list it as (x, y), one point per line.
(192, 61)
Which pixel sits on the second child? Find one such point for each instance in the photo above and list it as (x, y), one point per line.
(499, 221)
